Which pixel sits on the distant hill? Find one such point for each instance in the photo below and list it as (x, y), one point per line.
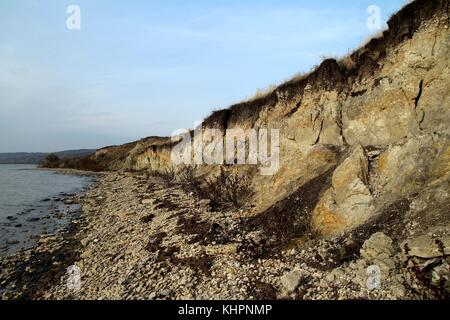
(38, 157)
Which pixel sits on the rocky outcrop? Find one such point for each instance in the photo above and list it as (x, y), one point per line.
(348, 203)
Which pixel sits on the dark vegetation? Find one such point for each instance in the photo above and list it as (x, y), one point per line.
(87, 163)
(168, 176)
(290, 218)
(51, 161)
(200, 264)
(204, 232)
(226, 191)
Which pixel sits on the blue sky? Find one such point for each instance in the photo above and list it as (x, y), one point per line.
(139, 68)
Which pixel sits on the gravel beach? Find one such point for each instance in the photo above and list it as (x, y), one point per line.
(138, 239)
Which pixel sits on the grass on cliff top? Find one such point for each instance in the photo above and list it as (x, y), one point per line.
(345, 60)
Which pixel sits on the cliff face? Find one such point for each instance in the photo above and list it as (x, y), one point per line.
(367, 132)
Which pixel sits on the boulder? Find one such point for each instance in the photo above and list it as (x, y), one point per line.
(378, 250)
(348, 203)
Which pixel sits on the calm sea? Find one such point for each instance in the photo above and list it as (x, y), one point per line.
(30, 204)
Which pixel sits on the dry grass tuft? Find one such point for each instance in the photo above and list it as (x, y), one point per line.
(261, 93)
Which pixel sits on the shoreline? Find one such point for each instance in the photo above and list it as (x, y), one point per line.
(46, 215)
(136, 238)
(31, 265)
(73, 172)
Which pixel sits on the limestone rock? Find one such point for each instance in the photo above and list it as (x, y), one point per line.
(406, 167)
(291, 280)
(440, 276)
(427, 247)
(221, 250)
(378, 250)
(348, 203)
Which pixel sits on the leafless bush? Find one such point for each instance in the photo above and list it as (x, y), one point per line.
(225, 191)
(228, 190)
(190, 181)
(168, 176)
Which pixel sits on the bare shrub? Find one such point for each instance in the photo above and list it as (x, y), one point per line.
(229, 190)
(225, 191)
(168, 176)
(189, 180)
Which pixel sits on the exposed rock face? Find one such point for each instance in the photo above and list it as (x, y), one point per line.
(380, 117)
(348, 203)
(407, 166)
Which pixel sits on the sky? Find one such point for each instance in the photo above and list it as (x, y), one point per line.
(140, 68)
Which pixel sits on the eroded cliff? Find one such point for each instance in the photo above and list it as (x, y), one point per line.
(363, 133)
